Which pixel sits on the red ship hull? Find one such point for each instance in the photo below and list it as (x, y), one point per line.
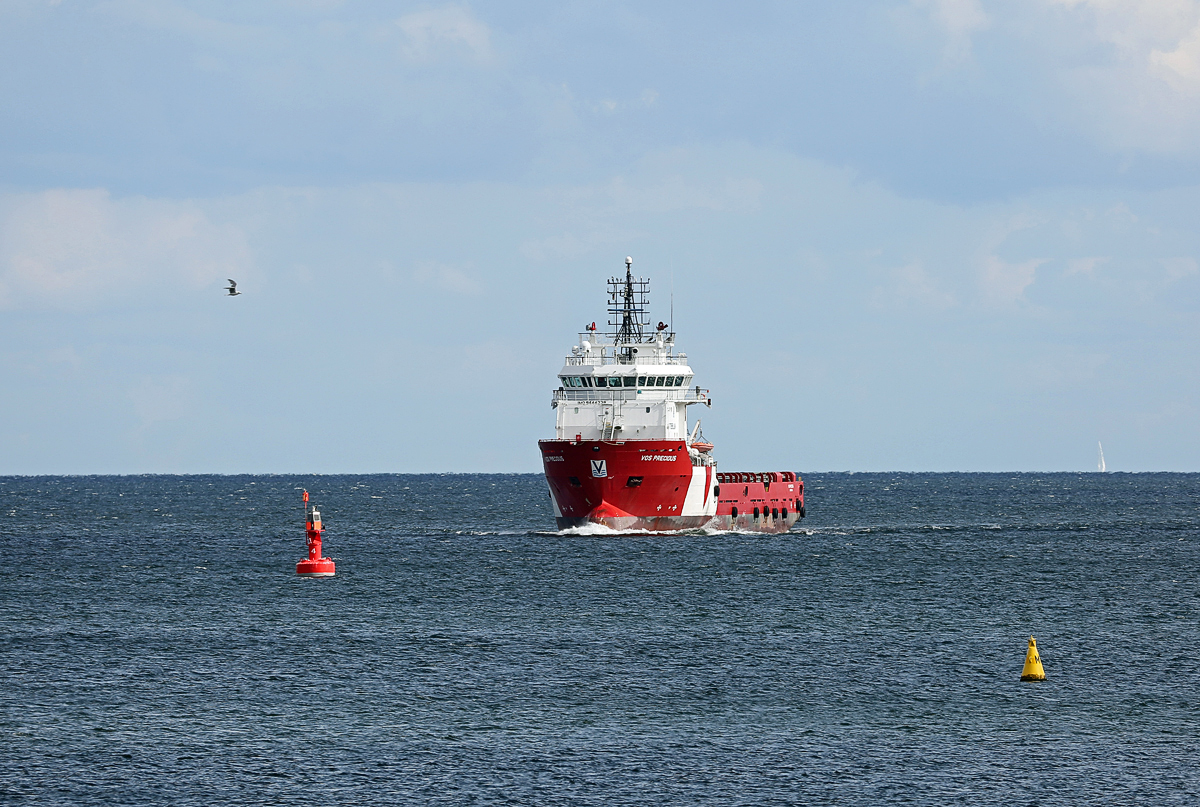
(654, 485)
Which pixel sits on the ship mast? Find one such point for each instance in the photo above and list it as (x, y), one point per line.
(628, 304)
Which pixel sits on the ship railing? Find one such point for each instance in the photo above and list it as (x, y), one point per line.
(742, 478)
(594, 360)
(592, 394)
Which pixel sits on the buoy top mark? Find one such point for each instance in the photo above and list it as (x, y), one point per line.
(1033, 663)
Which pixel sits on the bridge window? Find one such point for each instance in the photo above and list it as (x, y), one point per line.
(641, 381)
(630, 380)
(658, 382)
(601, 381)
(587, 380)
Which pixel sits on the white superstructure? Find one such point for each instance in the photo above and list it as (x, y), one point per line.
(612, 390)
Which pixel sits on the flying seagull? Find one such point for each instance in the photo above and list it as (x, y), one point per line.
(232, 288)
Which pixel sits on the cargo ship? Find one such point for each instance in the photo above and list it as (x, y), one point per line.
(623, 454)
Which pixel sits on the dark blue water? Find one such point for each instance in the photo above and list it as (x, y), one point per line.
(157, 647)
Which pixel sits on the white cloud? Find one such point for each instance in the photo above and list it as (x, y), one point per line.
(162, 398)
(1065, 367)
(959, 21)
(1135, 26)
(74, 248)
(682, 192)
(1179, 268)
(1144, 95)
(665, 184)
(912, 286)
(431, 32)
(176, 18)
(1183, 62)
(572, 245)
(448, 278)
(1161, 37)
(1004, 283)
(1084, 266)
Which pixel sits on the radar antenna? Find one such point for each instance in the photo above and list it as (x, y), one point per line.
(628, 304)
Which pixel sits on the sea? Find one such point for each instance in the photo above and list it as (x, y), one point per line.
(157, 647)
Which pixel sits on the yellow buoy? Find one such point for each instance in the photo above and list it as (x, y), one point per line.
(1033, 664)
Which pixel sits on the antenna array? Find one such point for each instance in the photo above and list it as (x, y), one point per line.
(628, 307)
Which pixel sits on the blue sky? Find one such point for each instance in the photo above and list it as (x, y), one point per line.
(903, 235)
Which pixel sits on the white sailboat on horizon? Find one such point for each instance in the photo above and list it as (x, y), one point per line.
(1100, 464)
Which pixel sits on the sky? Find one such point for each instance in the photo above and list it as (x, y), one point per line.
(897, 235)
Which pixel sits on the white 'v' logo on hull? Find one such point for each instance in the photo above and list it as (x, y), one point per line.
(599, 468)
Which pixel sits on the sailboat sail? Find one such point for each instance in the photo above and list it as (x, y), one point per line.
(1100, 464)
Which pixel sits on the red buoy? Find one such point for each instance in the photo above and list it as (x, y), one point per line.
(314, 565)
